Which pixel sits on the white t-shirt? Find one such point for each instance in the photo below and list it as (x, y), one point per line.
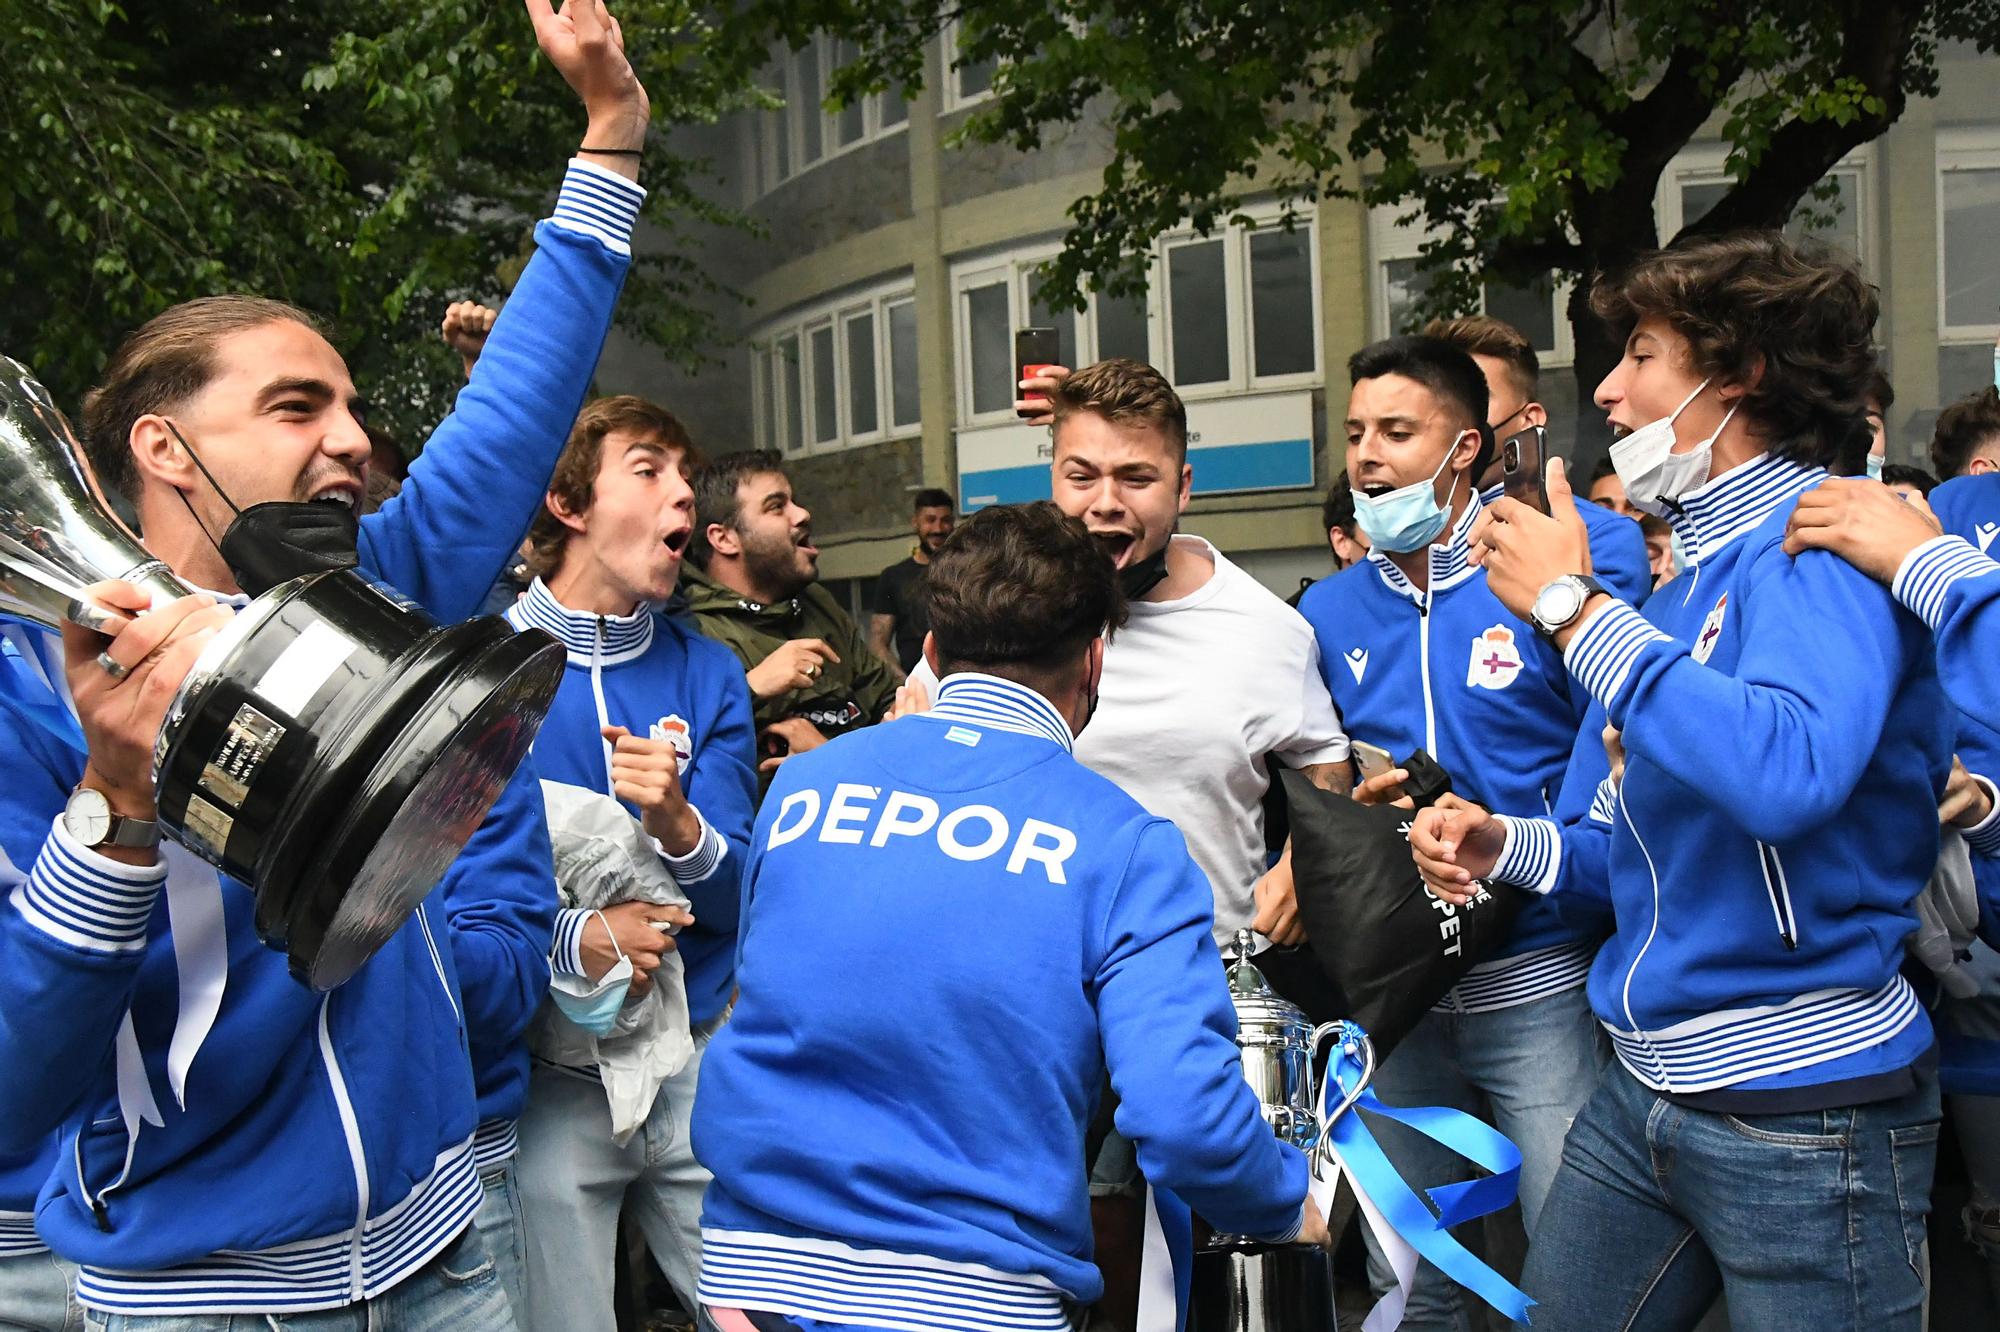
(1196, 693)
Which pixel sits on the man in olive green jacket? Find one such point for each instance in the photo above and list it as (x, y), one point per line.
(753, 584)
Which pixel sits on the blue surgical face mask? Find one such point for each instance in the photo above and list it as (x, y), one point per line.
(594, 1005)
(1409, 517)
(1875, 461)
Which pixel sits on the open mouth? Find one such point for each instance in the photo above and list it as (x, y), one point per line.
(805, 544)
(677, 541)
(1618, 431)
(340, 497)
(1376, 489)
(1115, 545)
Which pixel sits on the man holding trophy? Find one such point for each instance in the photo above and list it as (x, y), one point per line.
(202, 1134)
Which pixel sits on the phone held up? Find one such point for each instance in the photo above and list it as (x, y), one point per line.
(1035, 350)
(1524, 460)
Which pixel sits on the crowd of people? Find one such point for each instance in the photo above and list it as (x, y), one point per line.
(875, 975)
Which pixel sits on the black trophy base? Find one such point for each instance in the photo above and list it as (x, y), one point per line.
(1262, 1289)
(339, 751)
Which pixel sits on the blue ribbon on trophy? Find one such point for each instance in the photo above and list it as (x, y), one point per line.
(1404, 1226)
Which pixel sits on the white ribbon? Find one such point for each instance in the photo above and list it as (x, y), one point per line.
(1387, 1315)
(1159, 1299)
(201, 957)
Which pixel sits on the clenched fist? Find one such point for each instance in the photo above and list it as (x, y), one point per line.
(646, 773)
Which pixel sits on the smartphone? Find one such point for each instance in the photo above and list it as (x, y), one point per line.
(1523, 463)
(1035, 350)
(1373, 760)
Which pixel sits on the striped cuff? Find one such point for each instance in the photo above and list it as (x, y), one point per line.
(1292, 1234)
(598, 203)
(86, 900)
(566, 951)
(1928, 572)
(709, 849)
(1984, 836)
(1530, 855)
(1603, 650)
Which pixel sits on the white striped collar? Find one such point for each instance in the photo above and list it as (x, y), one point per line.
(1003, 705)
(1727, 506)
(624, 636)
(1451, 559)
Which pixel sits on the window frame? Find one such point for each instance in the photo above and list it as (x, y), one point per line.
(787, 123)
(1391, 239)
(1707, 164)
(1015, 267)
(951, 99)
(1967, 148)
(770, 406)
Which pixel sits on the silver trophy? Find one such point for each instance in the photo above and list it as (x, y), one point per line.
(332, 748)
(1245, 1285)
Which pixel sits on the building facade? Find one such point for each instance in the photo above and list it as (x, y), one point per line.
(876, 337)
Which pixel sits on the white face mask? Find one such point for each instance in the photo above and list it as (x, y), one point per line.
(1649, 469)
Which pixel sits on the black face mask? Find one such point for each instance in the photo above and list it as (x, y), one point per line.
(271, 543)
(279, 540)
(1142, 577)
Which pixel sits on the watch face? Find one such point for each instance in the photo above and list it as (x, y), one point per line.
(87, 817)
(1558, 604)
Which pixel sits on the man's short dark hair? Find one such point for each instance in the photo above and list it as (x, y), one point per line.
(1896, 474)
(1451, 375)
(932, 498)
(1338, 509)
(1483, 335)
(1963, 429)
(1791, 323)
(1605, 467)
(715, 498)
(1020, 590)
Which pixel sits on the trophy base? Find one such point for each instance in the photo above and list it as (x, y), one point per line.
(335, 750)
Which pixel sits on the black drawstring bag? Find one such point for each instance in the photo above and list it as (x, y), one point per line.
(1390, 948)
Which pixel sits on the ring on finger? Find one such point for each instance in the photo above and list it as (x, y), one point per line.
(112, 667)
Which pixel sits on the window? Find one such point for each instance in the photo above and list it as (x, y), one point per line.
(1227, 313)
(1697, 178)
(1968, 197)
(905, 403)
(1969, 233)
(825, 377)
(968, 83)
(1536, 309)
(864, 410)
(804, 132)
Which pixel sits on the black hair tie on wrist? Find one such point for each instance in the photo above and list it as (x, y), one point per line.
(615, 152)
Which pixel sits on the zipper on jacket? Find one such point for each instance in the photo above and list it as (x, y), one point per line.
(437, 964)
(350, 1127)
(1424, 659)
(1780, 893)
(1625, 998)
(597, 693)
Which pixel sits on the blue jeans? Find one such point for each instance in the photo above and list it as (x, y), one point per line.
(573, 1180)
(1811, 1220)
(498, 1222)
(1527, 1070)
(38, 1294)
(457, 1291)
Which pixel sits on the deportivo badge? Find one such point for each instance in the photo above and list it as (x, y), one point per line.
(1357, 662)
(1711, 630)
(1496, 661)
(675, 728)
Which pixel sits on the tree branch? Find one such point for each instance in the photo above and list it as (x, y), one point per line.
(1877, 39)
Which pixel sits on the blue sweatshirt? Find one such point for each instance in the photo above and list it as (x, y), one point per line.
(952, 929)
(301, 1124)
(657, 677)
(1785, 741)
(1454, 673)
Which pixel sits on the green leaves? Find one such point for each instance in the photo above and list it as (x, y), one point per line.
(370, 164)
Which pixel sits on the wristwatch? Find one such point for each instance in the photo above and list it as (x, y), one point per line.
(88, 818)
(1557, 605)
